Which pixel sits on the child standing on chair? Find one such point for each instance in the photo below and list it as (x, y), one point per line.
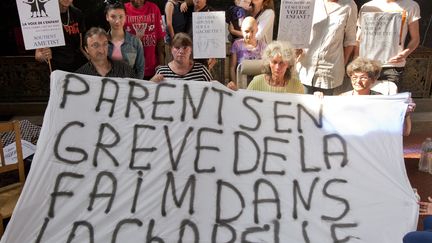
(247, 48)
(235, 16)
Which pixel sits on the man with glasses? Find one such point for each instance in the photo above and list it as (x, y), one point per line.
(96, 46)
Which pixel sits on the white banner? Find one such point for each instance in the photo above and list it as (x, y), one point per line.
(295, 22)
(122, 160)
(209, 34)
(41, 24)
(380, 35)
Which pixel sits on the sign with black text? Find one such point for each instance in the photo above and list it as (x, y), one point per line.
(41, 24)
(380, 35)
(295, 22)
(126, 160)
(209, 34)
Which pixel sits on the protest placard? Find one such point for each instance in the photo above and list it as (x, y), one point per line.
(10, 151)
(124, 160)
(295, 22)
(380, 35)
(209, 34)
(41, 24)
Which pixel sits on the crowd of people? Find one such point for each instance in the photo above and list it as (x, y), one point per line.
(138, 37)
(138, 45)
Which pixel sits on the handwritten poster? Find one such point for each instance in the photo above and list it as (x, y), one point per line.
(380, 35)
(209, 34)
(41, 24)
(124, 160)
(295, 22)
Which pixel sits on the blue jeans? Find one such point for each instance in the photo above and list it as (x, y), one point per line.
(421, 236)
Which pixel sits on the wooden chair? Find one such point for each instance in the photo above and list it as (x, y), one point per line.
(1, 226)
(10, 193)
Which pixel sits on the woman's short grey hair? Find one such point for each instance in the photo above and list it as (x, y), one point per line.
(365, 65)
(95, 31)
(284, 50)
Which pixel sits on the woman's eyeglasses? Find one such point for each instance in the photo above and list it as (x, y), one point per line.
(361, 78)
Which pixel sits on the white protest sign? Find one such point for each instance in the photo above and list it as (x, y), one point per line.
(122, 160)
(41, 24)
(209, 34)
(10, 151)
(295, 22)
(380, 35)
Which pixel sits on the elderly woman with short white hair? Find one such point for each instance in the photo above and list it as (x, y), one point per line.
(279, 74)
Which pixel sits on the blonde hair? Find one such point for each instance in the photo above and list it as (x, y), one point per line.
(284, 50)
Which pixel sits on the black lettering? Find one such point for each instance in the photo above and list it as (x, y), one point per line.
(267, 153)
(276, 231)
(220, 184)
(200, 147)
(297, 191)
(302, 158)
(137, 190)
(253, 230)
(121, 223)
(277, 116)
(258, 201)
(174, 162)
(42, 231)
(317, 121)
(83, 224)
(336, 138)
(236, 170)
(255, 112)
(220, 104)
(150, 238)
(69, 149)
(135, 149)
(192, 226)
(94, 194)
(157, 102)
(56, 193)
(104, 147)
(336, 198)
(189, 184)
(134, 100)
(66, 90)
(215, 233)
(333, 228)
(304, 232)
(188, 97)
(112, 100)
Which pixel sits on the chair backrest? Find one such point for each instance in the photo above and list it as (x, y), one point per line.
(385, 87)
(248, 68)
(14, 127)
